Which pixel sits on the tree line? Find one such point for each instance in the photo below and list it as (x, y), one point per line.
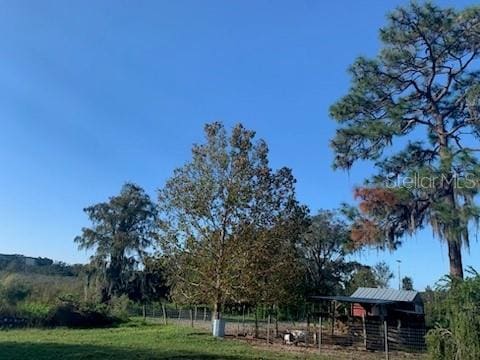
(226, 230)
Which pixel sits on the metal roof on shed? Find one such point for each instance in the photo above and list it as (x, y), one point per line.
(385, 294)
(350, 299)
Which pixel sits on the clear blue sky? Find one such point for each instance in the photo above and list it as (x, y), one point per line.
(95, 93)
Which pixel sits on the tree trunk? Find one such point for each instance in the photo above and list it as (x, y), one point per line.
(454, 245)
(455, 257)
(164, 312)
(217, 311)
(217, 306)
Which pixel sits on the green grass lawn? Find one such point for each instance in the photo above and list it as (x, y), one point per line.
(128, 342)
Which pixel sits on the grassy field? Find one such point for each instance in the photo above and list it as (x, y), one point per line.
(139, 341)
(127, 342)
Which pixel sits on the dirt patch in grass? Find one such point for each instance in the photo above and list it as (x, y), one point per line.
(327, 351)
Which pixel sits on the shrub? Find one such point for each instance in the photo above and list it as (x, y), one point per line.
(35, 314)
(38, 288)
(6, 309)
(15, 291)
(457, 337)
(72, 314)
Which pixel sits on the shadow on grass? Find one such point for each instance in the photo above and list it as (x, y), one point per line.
(52, 351)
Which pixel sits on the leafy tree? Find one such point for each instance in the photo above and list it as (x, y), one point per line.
(407, 283)
(382, 274)
(323, 249)
(150, 283)
(122, 229)
(366, 276)
(361, 276)
(272, 272)
(424, 86)
(223, 214)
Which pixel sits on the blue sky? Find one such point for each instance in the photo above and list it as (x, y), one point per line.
(96, 93)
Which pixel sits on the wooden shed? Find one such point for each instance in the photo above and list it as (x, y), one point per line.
(394, 304)
(370, 309)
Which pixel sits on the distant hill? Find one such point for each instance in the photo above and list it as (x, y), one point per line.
(37, 265)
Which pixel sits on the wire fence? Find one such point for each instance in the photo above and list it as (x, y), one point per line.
(355, 334)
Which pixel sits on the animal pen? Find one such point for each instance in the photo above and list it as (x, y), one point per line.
(355, 323)
(375, 319)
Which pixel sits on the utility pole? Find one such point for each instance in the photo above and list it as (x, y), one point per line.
(399, 278)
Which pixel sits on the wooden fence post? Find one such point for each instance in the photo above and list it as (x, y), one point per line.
(243, 319)
(256, 322)
(205, 313)
(320, 333)
(276, 321)
(385, 326)
(268, 329)
(191, 317)
(307, 333)
(238, 323)
(364, 327)
(332, 307)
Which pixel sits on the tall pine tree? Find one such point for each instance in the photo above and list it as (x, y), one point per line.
(423, 86)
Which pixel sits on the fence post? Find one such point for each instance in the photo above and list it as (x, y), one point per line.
(204, 313)
(238, 326)
(268, 329)
(179, 315)
(320, 333)
(164, 314)
(238, 322)
(364, 327)
(195, 317)
(276, 321)
(307, 333)
(256, 322)
(332, 308)
(243, 319)
(191, 317)
(385, 326)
